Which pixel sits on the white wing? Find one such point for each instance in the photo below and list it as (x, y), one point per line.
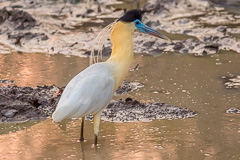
(87, 93)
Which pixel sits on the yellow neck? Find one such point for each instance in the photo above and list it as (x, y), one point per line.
(122, 51)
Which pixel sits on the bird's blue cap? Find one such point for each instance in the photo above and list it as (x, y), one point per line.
(135, 16)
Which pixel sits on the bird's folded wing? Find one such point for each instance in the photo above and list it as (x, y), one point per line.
(87, 93)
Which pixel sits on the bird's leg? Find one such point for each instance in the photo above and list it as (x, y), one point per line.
(82, 126)
(96, 119)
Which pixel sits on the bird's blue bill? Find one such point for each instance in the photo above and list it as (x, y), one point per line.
(145, 29)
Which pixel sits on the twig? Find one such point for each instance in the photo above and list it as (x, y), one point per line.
(135, 68)
(18, 40)
(73, 44)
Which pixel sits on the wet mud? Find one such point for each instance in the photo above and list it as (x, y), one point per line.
(195, 27)
(26, 103)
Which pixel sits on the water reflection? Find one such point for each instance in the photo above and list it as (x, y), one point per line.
(163, 139)
(47, 140)
(38, 69)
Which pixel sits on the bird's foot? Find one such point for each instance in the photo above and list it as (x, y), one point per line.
(82, 139)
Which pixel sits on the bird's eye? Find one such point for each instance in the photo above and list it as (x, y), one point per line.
(137, 22)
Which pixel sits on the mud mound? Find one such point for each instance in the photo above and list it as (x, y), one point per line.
(23, 103)
(132, 110)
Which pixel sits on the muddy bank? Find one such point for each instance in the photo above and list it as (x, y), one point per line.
(52, 26)
(24, 103)
(195, 27)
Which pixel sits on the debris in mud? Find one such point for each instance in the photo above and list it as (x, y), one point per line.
(24, 103)
(233, 110)
(232, 82)
(28, 36)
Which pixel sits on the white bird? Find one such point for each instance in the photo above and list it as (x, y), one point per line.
(91, 90)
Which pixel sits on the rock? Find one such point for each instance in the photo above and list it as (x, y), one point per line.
(178, 46)
(148, 44)
(155, 51)
(211, 49)
(9, 113)
(233, 110)
(153, 23)
(222, 29)
(182, 21)
(6, 81)
(232, 82)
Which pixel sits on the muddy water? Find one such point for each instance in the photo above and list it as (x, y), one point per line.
(183, 80)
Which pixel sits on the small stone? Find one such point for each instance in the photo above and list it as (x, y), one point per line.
(156, 51)
(178, 46)
(153, 23)
(233, 110)
(182, 21)
(148, 44)
(6, 81)
(9, 113)
(222, 29)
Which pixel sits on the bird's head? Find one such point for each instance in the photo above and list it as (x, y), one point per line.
(135, 17)
(121, 32)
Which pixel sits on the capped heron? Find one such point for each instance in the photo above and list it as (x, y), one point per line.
(91, 90)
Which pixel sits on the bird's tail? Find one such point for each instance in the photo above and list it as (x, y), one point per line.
(62, 112)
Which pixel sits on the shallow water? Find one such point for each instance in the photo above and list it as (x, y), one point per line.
(183, 80)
